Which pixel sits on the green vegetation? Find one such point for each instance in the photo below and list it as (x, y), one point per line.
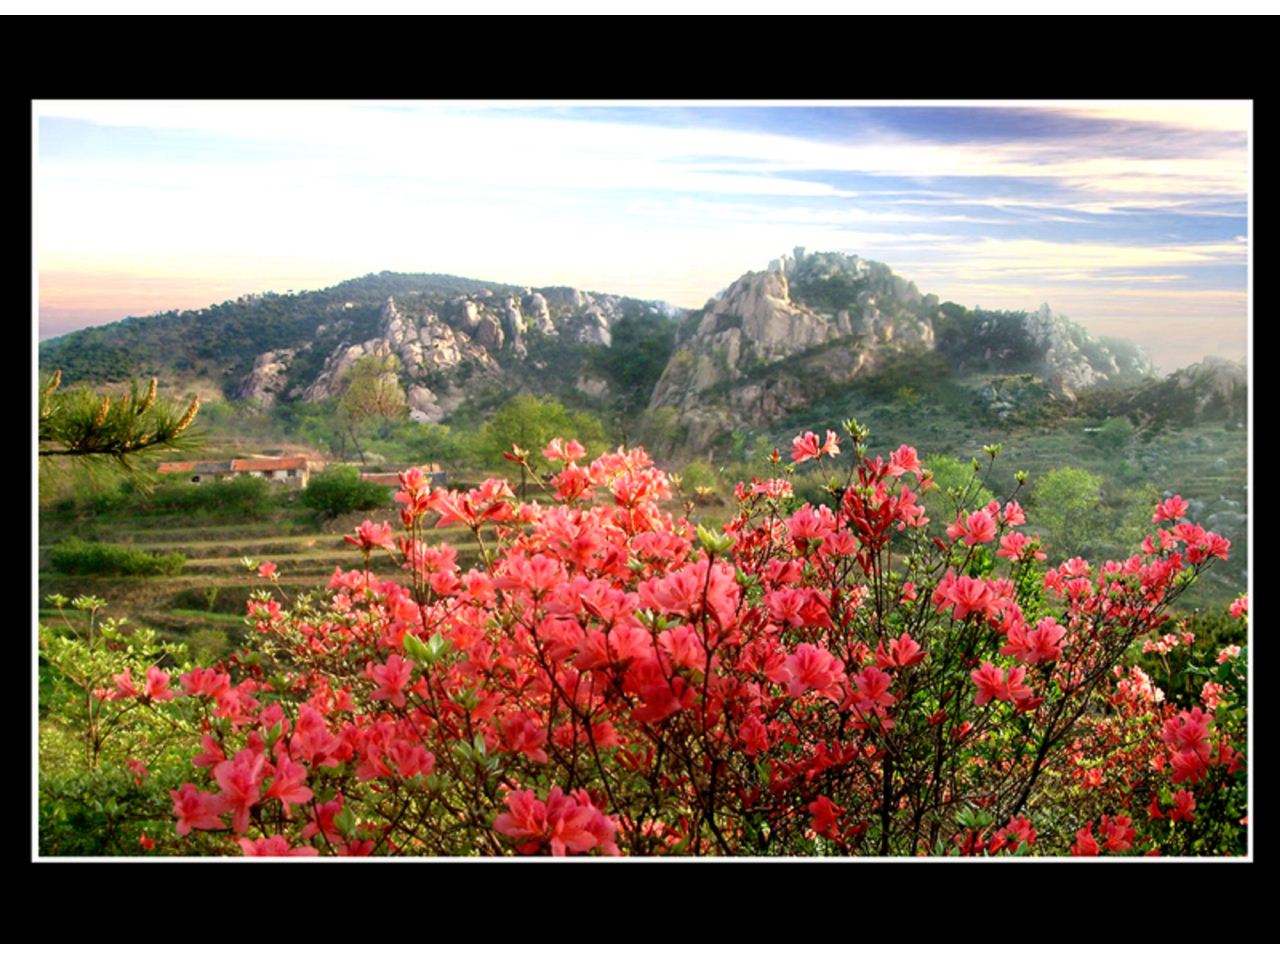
(86, 429)
(531, 423)
(829, 294)
(340, 490)
(80, 557)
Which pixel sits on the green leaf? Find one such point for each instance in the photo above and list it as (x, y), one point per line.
(345, 821)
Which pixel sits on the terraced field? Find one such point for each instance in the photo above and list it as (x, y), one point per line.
(205, 604)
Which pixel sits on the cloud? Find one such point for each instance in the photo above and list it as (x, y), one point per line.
(239, 196)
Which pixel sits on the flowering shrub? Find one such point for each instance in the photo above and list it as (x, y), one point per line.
(852, 677)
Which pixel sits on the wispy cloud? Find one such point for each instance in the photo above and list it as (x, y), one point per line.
(663, 201)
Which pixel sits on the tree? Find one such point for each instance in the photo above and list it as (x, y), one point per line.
(340, 490)
(1113, 435)
(957, 488)
(372, 396)
(1068, 505)
(531, 423)
(93, 428)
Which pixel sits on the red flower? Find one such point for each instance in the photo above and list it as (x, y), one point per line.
(825, 817)
(368, 535)
(276, 846)
(197, 810)
(1085, 845)
(240, 780)
(1183, 804)
(391, 678)
(1119, 833)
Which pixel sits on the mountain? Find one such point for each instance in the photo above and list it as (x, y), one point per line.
(810, 326)
(454, 337)
(777, 339)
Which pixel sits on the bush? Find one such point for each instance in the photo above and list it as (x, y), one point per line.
(78, 556)
(340, 490)
(841, 680)
(243, 496)
(700, 479)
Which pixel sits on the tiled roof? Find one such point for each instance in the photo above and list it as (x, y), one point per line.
(278, 463)
(196, 466)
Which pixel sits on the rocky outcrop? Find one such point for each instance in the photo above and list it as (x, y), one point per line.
(442, 344)
(760, 349)
(1072, 359)
(425, 346)
(1213, 389)
(537, 313)
(1213, 380)
(268, 377)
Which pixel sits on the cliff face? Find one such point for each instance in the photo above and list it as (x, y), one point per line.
(813, 322)
(446, 347)
(760, 349)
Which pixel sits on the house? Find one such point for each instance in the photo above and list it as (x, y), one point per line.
(293, 471)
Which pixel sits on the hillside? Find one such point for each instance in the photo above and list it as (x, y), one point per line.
(779, 340)
(774, 344)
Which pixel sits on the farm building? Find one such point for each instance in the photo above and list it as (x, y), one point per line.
(293, 471)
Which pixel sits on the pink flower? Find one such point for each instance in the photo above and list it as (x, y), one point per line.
(1229, 652)
(1041, 645)
(392, 678)
(903, 652)
(807, 448)
(979, 528)
(240, 780)
(557, 449)
(904, 460)
(369, 535)
(1171, 509)
(157, 685)
(1014, 517)
(813, 668)
(989, 680)
(276, 846)
(287, 785)
(197, 810)
(1239, 606)
(124, 686)
(267, 570)
(1016, 546)
(566, 823)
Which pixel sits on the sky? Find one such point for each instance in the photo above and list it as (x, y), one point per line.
(1129, 217)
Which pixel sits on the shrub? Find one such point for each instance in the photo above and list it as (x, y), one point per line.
(609, 679)
(700, 479)
(340, 490)
(77, 556)
(242, 496)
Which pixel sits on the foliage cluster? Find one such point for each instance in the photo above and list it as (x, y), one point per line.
(339, 490)
(76, 556)
(841, 679)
